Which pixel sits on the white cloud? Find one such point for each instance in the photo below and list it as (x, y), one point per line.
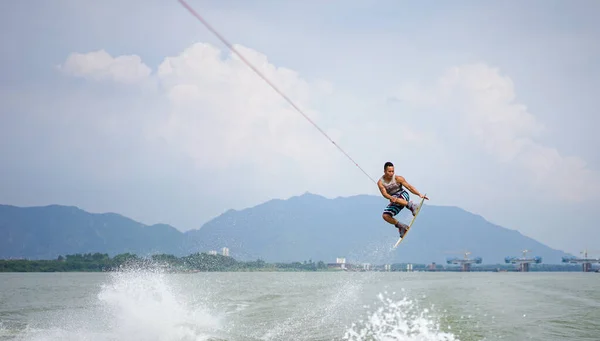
(99, 65)
(221, 114)
(566, 176)
(481, 109)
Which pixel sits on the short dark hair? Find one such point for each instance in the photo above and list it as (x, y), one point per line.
(388, 164)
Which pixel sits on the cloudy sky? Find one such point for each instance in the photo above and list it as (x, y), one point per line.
(134, 107)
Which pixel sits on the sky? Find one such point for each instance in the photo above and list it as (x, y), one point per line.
(136, 108)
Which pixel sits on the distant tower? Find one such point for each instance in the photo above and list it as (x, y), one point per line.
(225, 251)
(523, 261)
(465, 262)
(586, 262)
(341, 262)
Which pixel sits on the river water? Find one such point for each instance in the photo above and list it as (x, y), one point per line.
(151, 305)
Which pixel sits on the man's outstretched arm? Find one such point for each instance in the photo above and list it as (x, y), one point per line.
(408, 186)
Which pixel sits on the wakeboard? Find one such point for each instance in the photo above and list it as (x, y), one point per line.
(411, 222)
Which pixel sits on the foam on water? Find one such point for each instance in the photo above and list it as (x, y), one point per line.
(398, 320)
(4, 332)
(135, 304)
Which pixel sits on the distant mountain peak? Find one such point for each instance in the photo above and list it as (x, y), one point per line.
(308, 195)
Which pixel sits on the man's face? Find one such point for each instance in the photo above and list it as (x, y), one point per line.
(389, 171)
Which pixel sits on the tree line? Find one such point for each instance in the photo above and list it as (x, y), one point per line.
(101, 262)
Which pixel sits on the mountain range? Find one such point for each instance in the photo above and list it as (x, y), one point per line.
(305, 227)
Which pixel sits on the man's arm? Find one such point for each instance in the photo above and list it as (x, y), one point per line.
(408, 186)
(383, 191)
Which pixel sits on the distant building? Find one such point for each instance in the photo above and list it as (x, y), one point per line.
(225, 251)
(340, 263)
(212, 252)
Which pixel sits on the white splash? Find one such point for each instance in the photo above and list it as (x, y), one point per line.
(398, 320)
(144, 306)
(135, 304)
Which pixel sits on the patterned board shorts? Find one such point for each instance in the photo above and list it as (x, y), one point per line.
(393, 209)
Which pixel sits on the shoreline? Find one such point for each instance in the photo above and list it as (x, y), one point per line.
(202, 262)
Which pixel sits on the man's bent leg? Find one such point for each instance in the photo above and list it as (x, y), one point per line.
(404, 200)
(389, 218)
(388, 215)
(402, 228)
(390, 212)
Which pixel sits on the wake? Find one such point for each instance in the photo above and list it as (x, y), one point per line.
(398, 320)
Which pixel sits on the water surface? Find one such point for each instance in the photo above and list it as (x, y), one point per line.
(150, 305)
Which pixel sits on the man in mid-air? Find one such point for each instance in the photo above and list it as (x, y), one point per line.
(391, 187)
